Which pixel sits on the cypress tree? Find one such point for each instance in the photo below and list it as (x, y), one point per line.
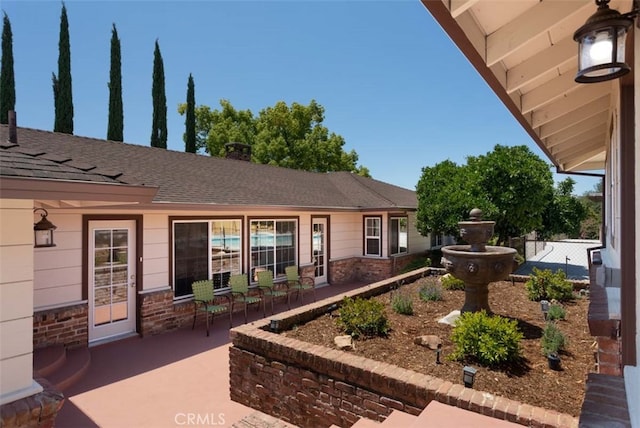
(115, 124)
(62, 95)
(7, 80)
(159, 119)
(190, 121)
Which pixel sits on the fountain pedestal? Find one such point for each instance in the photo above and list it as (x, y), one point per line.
(477, 264)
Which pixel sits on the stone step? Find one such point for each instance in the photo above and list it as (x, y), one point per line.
(48, 360)
(76, 364)
(366, 423)
(258, 419)
(438, 415)
(399, 419)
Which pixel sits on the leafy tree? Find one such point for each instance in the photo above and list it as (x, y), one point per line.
(592, 224)
(518, 184)
(288, 136)
(159, 119)
(190, 121)
(446, 193)
(564, 213)
(115, 125)
(7, 79)
(62, 93)
(511, 185)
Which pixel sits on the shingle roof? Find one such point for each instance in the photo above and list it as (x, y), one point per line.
(188, 178)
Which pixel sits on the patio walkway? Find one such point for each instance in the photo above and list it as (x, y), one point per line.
(174, 379)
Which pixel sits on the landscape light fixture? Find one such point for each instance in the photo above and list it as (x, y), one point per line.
(544, 307)
(468, 375)
(601, 44)
(274, 325)
(43, 230)
(438, 351)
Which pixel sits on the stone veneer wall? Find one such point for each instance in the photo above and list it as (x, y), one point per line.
(310, 385)
(61, 326)
(36, 411)
(158, 313)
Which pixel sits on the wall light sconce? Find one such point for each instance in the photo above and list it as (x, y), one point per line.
(601, 43)
(43, 230)
(468, 376)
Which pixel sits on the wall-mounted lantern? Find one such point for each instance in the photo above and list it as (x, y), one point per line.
(601, 42)
(43, 230)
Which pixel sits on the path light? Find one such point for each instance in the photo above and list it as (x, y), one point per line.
(43, 230)
(544, 307)
(438, 351)
(601, 43)
(468, 375)
(274, 325)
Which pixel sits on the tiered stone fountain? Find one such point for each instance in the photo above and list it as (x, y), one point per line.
(477, 264)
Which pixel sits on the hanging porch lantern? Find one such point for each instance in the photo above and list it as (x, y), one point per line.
(43, 230)
(601, 52)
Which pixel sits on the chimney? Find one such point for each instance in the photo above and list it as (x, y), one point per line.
(238, 151)
(13, 128)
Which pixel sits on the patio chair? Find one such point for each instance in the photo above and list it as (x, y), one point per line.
(205, 300)
(300, 283)
(240, 294)
(271, 290)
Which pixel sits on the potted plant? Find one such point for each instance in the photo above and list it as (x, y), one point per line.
(553, 341)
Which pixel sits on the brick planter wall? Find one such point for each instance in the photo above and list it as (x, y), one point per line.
(61, 326)
(368, 269)
(310, 385)
(159, 314)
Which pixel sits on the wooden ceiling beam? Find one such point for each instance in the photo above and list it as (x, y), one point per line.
(600, 105)
(574, 100)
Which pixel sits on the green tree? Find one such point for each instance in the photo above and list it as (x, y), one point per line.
(446, 193)
(115, 125)
(190, 120)
(7, 79)
(62, 94)
(564, 213)
(592, 224)
(287, 136)
(159, 119)
(511, 185)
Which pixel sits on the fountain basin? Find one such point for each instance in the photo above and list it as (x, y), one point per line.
(477, 270)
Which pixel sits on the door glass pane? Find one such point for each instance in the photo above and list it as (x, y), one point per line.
(110, 276)
(120, 237)
(102, 238)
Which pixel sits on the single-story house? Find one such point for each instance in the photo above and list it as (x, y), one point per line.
(527, 52)
(136, 225)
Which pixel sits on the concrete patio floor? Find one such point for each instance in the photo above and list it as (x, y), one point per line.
(174, 379)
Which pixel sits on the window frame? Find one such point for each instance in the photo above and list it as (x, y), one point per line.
(274, 254)
(367, 237)
(398, 219)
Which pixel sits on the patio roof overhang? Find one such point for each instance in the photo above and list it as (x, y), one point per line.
(526, 53)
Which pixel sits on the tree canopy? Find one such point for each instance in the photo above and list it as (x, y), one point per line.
(62, 93)
(159, 97)
(115, 126)
(290, 136)
(7, 79)
(564, 213)
(511, 185)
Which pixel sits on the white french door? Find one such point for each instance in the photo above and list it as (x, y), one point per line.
(112, 278)
(319, 245)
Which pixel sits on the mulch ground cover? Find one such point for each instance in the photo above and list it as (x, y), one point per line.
(529, 381)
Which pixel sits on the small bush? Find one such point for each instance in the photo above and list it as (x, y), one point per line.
(553, 340)
(450, 282)
(416, 264)
(547, 285)
(556, 312)
(490, 340)
(430, 292)
(402, 303)
(363, 317)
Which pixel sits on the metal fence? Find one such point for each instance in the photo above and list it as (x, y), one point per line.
(570, 256)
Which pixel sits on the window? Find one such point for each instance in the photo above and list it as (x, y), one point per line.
(372, 233)
(398, 235)
(273, 245)
(205, 249)
(436, 239)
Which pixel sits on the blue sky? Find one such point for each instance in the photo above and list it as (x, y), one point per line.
(391, 82)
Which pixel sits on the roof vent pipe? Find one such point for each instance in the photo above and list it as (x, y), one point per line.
(13, 128)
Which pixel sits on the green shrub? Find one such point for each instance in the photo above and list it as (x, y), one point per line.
(547, 285)
(553, 340)
(363, 317)
(556, 312)
(430, 292)
(450, 282)
(490, 340)
(402, 303)
(416, 264)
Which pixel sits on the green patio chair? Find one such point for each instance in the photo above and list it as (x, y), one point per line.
(205, 300)
(240, 294)
(300, 283)
(272, 290)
